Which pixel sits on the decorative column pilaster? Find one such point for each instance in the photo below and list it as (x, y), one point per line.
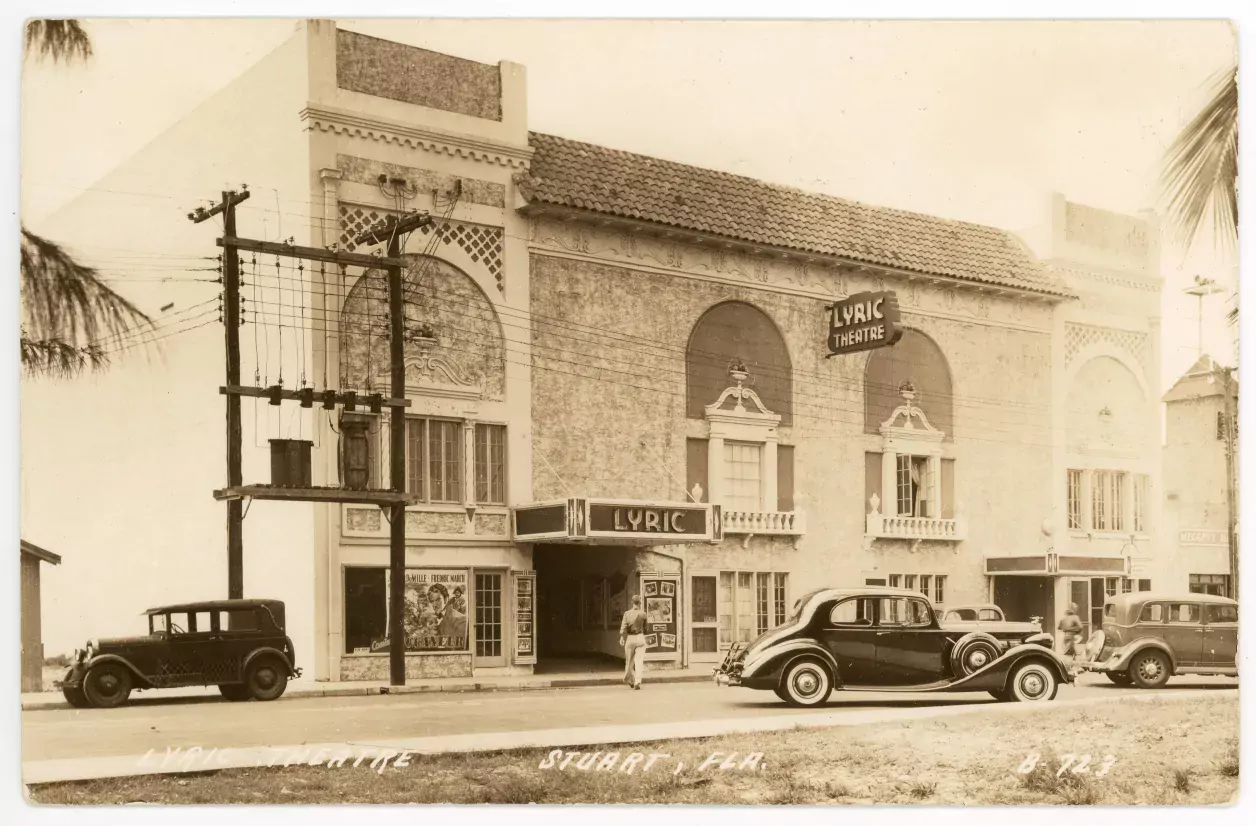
(770, 493)
(715, 469)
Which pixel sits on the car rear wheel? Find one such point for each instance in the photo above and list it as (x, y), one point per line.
(779, 691)
(75, 697)
(1149, 669)
(1032, 682)
(235, 692)
(806, 684)
(266, 679)
(107, 685)
(1118, 677)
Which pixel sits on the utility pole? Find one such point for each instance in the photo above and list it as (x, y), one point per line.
(231, 320)
(392, 231)
(1230, 497)
(1203, 286)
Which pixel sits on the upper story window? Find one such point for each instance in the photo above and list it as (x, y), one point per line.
(1109, 500)
(438, 456)
(743, 475)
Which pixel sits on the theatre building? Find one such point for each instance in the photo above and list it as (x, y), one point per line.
(629, 376)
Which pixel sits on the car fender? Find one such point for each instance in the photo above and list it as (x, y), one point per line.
(1121, 659)
(1042, 639)
(995, 675)
(140, 680)
(776, 659)
(268, 651)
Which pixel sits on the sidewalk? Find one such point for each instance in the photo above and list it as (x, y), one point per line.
(50, 700)
(311, 753)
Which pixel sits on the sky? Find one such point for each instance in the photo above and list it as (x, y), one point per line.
(971, 121)
(968, 120)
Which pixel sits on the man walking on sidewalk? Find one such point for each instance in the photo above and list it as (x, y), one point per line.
(632, 638)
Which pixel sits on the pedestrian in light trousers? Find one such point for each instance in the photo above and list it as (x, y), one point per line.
(632, 638)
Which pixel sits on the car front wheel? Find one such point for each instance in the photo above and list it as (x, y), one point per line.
(267, 678)
(107, 685)
(75, 697)
(1149, 669)
(1032, 682)
(806, 684)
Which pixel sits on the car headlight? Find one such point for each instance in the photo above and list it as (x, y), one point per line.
(79, 655)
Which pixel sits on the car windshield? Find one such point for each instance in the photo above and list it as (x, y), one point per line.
(158, 623)
(990, 615)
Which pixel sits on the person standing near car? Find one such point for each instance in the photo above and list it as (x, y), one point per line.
(632, 638)
(1071, 631)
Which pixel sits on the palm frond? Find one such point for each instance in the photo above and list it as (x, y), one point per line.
(67, 309)
(58, 359)
(58, 39)
(1202, 167)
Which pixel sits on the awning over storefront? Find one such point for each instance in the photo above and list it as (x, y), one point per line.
(1057, 565)
(616, 522)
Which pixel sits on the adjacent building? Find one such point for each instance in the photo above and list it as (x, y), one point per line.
(32, 628)
(1199, 428)
(620, 381)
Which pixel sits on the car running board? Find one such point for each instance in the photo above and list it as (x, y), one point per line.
(903, 688)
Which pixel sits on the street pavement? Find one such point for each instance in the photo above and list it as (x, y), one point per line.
(70, 734)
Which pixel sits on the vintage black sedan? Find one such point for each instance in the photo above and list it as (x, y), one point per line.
(238, 645)
(889, 639)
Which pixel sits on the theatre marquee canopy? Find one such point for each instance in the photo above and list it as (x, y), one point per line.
(616, 522)
(1057, 565)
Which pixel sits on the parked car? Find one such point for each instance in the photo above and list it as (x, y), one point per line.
(238, 645)
(1147, 638)
(985, 617)
(889, 639)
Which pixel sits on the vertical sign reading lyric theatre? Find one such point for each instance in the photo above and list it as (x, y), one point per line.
(864, 321)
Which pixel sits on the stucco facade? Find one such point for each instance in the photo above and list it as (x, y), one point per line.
(575, 331)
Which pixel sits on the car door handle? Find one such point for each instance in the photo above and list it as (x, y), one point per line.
(882, 633)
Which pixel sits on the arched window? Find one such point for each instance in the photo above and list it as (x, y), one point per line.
(910, 485)
(735, 330)
(915, 358)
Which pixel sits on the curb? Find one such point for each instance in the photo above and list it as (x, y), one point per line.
(59, 704)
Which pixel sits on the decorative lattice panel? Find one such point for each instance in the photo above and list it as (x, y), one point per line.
(1077, 337)
(355, 220)
(482, 244)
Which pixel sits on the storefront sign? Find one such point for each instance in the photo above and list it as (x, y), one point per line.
(541, 521)
(658, 600)
(435, 611)
(610, 521)
(864, 321)
(525, 618)
(1202, 537)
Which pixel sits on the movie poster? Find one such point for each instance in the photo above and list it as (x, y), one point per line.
(525, 634)
(660, 615)
(435, 611)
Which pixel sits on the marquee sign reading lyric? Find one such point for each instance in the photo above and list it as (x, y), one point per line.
(864, 321)
(614, 521)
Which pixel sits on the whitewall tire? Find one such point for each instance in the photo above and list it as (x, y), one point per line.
(1032, 682)
(806, 683)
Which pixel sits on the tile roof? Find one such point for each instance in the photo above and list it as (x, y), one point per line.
(609, 181)
(1204, 379)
